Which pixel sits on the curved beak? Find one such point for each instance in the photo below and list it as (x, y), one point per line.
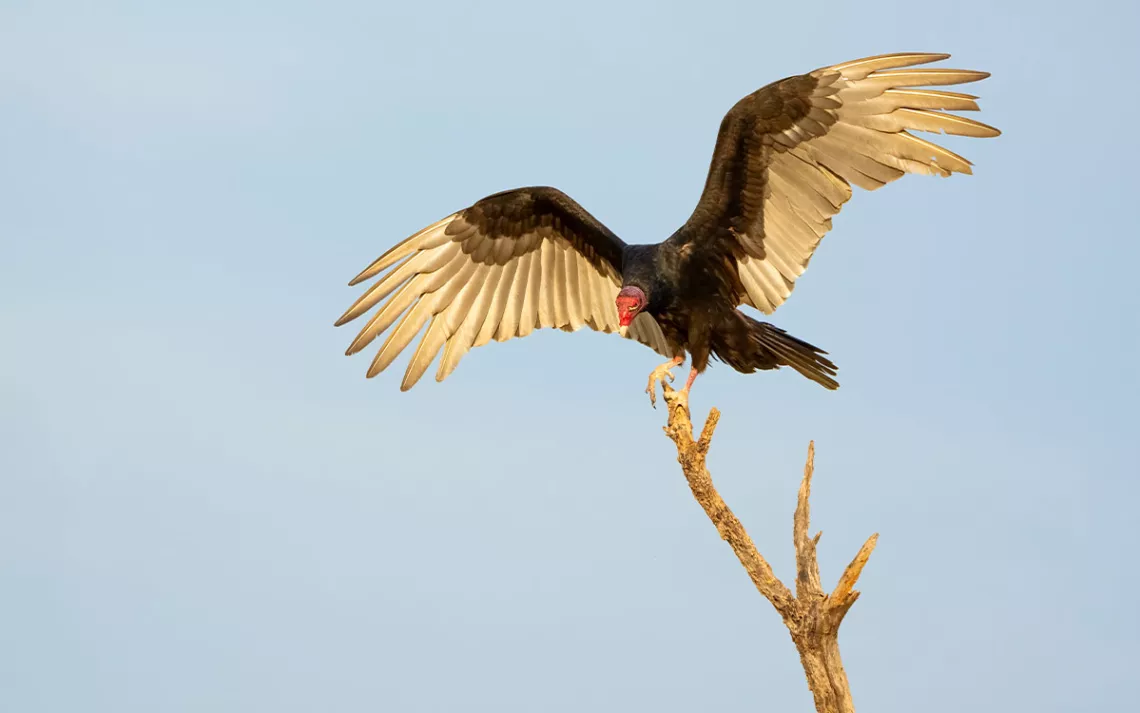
(624, 330)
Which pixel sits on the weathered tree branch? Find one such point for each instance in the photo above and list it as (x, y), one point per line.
(812, 617)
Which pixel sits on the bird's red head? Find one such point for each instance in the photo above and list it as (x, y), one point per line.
(630, 301)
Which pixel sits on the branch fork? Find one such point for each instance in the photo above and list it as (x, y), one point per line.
(811, 615)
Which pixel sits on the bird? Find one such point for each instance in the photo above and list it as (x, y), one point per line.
(785, 161)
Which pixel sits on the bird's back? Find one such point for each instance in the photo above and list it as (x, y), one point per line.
(683, 277)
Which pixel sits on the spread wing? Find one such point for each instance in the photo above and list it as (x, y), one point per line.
(511, 263)
(787, 155)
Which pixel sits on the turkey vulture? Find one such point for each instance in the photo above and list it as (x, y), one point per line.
(784, 162)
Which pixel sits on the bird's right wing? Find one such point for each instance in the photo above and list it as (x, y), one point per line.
(512, 262)
(787, 154)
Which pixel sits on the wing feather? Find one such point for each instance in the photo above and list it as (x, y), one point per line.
(530, 316)
(430, 237)
(425, 309)
(463, 338)
(446, 321)
(807, 139)
(498, 304)
(404, 298)
(425, 262)
(512, 313)
(509, 264)
(561, 313)
(547, 260)
(430, 344)
(574, 320)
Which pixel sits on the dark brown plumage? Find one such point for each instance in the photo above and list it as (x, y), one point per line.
(783, 165)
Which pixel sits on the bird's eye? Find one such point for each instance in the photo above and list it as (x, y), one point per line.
(632, 308)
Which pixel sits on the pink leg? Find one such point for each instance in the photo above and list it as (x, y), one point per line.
(692, 378)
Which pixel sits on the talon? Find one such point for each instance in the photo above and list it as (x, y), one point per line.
(661, 373)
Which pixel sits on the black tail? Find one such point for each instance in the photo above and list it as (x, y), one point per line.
(769, 347)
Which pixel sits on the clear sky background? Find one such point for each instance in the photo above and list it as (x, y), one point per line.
(205, 506)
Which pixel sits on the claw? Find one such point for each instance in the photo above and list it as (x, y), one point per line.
(661, 373)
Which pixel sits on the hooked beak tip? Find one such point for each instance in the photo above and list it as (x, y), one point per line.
(623, 330)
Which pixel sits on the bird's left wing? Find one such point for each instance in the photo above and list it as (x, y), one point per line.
(787, 154)
(511, 263)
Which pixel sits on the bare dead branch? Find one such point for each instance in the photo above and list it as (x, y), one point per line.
(844, 588)
(691, 456)
(807, 565)
(811, 616)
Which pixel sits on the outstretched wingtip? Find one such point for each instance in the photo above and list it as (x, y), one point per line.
(866, 65)
(359, 278)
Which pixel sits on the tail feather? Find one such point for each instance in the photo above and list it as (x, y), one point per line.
(772, 347)
(805, 358)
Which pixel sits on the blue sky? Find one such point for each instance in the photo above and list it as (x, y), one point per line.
(205, 506)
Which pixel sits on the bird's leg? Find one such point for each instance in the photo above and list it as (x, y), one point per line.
(660, 373)
(689, 383)
(683, 394)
